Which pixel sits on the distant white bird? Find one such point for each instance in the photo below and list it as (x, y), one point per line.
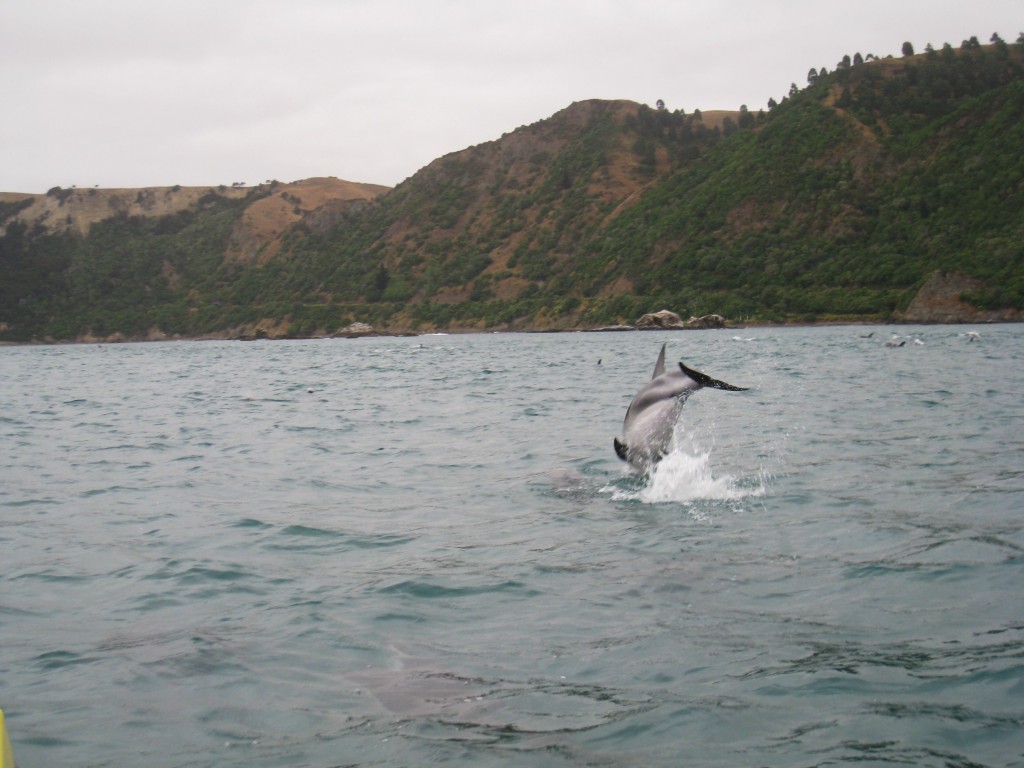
(972, 336)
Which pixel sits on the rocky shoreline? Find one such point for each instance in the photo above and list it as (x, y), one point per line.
(940, 301)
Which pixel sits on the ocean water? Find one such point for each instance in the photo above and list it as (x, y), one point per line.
(415, 551)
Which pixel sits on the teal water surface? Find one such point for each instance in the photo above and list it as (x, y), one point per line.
(409, 551)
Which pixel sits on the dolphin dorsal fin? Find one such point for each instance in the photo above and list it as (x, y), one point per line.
(659, 367)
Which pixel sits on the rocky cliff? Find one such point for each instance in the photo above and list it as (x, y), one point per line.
(941, 300)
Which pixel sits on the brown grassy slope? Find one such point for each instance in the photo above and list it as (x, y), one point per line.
(257, 235)
(76, 210)
(502, 196)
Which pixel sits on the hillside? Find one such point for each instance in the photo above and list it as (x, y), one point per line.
(847, 198)
(127, 263)
(877, 183)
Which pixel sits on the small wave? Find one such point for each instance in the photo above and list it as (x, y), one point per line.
(427, 590)
(54, 660)
(306, 538)
(100, 491)
(306, 530)
(31, 502)
(251, 522)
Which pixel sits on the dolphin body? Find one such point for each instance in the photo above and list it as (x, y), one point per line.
(651, 418)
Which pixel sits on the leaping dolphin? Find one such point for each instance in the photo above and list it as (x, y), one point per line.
(647, 428)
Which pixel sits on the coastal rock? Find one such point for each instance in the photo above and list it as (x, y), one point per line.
(663, 320)
(356, 330)
(667, 320)
(707, 321)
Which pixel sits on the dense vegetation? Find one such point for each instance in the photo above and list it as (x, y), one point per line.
(846, 197)
(837, 202)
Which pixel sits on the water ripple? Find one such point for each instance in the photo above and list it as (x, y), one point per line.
(434, 556)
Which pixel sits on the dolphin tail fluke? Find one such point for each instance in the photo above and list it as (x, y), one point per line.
(620, 449)
(706, 381)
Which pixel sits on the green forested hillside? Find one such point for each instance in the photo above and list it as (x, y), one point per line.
(130, 274)
(837, 203)
(846, 197)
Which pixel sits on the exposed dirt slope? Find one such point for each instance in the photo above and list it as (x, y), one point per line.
(940, 301)
(76, 210)
(257, 235)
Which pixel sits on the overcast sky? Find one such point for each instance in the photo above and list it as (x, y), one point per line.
(134, 93)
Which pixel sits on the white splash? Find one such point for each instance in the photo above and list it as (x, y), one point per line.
(686, 475)
(682, 476)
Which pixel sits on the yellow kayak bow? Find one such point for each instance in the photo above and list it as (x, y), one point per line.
(6, 753)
